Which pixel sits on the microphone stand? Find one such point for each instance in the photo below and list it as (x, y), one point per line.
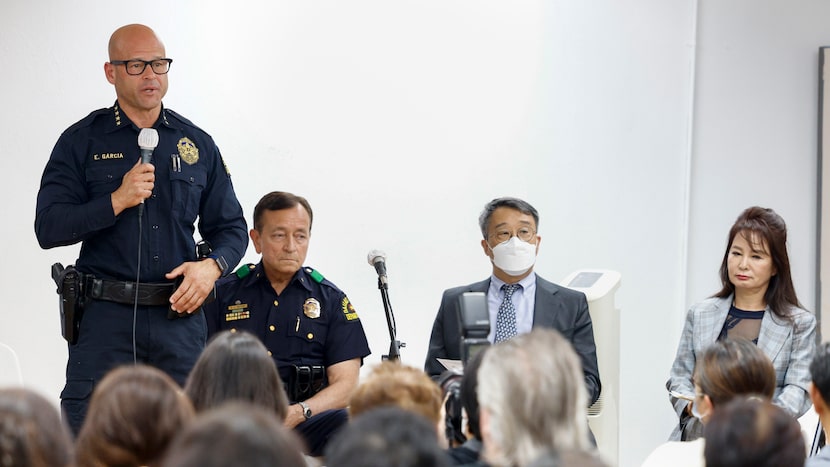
(395, 345)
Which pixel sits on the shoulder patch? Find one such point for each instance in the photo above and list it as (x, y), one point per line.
(348, 310)
(315, 274)
(245, 270)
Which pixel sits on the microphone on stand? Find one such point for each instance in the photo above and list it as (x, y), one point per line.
(377, 258)
(148, 139)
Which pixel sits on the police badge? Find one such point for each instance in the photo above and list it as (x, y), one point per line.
(311, 308)
(188, 151)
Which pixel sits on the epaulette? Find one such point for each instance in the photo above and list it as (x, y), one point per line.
(245, 270)
(315, 274)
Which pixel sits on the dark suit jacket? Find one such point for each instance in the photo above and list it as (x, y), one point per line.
(557, 307)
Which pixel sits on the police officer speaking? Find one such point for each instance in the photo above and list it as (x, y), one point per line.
(308, 325)
(139, 282)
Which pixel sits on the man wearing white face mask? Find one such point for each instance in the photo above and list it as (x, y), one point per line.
(518, 300)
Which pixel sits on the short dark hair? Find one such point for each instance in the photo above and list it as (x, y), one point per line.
(514, 203)
(277, 201)
(384, 436)
(235, 433)
(820, 370)
(235, 365)
(749, 432)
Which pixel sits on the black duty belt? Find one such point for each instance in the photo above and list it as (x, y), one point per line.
(125, 291)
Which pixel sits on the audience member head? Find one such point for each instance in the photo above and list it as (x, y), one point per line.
(396, 384)
(134, 413)
(517, 425)
(386, 436)
(820, 370)
(32, 433)
(750, 432)
(764, 230)
(469, 393)
(235, 365)
(728, 368)
(235, 433)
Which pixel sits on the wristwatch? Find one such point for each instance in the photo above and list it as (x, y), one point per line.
(306, 410)
(220, 261)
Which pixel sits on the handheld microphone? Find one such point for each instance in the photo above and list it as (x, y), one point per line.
(377, 258)
(148, 139)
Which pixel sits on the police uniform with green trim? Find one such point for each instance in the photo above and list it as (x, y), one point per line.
(311, 323)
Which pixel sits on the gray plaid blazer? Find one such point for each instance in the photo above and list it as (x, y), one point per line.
(790, 346)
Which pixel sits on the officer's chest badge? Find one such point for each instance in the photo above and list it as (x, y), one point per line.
(311, 308)
(188, 151)
(237, 311)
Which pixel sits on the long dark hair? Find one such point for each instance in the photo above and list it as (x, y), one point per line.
(235, 365)
(765, 225)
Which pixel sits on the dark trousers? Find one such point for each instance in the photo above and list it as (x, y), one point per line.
(106, 341)
(317, 430)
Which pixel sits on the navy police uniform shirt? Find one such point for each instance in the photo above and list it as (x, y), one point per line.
(311, 322)
(87, 166)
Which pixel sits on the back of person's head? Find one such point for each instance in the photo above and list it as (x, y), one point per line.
(749, 432)
(386, 436)
(568, 458)
(235, 433)
(469, 392)
(32, 433)
(733, 367)
(820, 371)
(517, 424)
(235, 365)
(396, 384)
(134, 413)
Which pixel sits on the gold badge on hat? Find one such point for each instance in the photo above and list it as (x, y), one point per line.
(188, 151)
(311, 308)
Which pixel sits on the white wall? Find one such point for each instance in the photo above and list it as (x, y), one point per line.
(399, 120)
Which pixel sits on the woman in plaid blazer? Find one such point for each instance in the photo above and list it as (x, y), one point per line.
(757, 302)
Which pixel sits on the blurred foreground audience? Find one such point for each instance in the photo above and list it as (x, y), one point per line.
(32, 433)
(134, 413)
(235, 434)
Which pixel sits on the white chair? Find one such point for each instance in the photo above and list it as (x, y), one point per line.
(10, 374)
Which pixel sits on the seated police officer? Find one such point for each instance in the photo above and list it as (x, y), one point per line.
(308, 325)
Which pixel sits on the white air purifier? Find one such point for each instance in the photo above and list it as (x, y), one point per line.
(599, 287)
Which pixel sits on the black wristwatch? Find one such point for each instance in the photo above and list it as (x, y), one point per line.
(306, 410)
(220, 261)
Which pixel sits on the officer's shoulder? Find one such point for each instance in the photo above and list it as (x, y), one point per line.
(241, 273)
(319, 278)
(89, 120)
(176, 117)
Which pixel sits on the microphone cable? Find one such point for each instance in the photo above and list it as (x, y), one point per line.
(137, 278)
(148, 140)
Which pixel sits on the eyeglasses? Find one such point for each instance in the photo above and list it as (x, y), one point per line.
(525, 234)
(136, 67)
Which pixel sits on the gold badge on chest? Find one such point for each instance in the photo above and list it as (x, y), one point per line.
(188, 151)
(311, 308)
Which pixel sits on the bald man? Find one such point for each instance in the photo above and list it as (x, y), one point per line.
(142, 281)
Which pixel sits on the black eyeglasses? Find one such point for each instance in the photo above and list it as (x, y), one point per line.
(136, 67)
